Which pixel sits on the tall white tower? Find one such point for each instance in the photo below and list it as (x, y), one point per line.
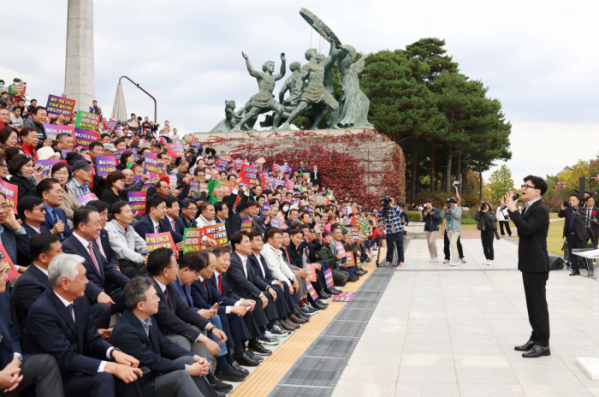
(79, 70)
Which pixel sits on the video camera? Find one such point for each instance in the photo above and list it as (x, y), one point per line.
(385, 201)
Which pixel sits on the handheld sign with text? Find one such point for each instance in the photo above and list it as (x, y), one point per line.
(265, 208)
(9, 267)
(249, 175)
(12, 194)
(275, 222)
(105, 165)
(52, 130)
(58, 105)
(319, 227)
(119, 152)
(19, 89)
(161, 240)
(86, 198)
(340, 249)
(151, 164)
(84, 138)
(218, 233)
(175, 150)
(311, 290)
(137, 202)
(246, 226)
(48, 164)
(350, 260)
(312, 269)
(281, 218)
(192, 240)
(328, 277)
(87, 121)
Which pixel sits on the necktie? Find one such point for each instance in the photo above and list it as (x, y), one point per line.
(220, 285)
(91, 253)
(173, 222)
(56, 220)
(39, 232)
(157, 229)
(71, 312)
(99, 242)
(166, 295)
(204, 284)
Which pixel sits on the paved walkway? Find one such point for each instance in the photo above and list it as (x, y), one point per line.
(451, 332)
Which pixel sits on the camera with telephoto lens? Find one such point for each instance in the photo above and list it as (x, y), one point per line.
(483, 206)
(385, 203)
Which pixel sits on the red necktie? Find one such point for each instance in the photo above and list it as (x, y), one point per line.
(204, 283)
(220, 284)
(157, 229)
(174, 228)
(287, 255)
(91, 253)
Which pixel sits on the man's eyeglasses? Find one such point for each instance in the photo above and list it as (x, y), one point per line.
(524, 187)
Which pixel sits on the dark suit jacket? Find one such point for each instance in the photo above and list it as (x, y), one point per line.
(249, 287)
(145, 226)
(579, 225)
(315, 178)
(167, 227)
(97, 282)
(532, 227)
(233, 223)
(205, 298)
(184, 292)
(15, 243)
(76, 346)
(30, 286)
(10, 338)
(174, 316)
(253, 260)
(110, 254)
(154, 351)
(32, 231)
(49, 223)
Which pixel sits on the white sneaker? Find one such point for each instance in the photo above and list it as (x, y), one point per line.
(485, 262)
(446, 261)
(489, 262)
(433, 260)
(453, 263)
(463, 260)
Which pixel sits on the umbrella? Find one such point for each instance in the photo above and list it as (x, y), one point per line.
(119, 110)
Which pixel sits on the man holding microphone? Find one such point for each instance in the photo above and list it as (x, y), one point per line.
(533, 261)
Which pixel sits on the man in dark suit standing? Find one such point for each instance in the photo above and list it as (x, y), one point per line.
(533, 261)
(174, 371)
(50, 191)
(100, 272)
(34, 282)
(60, 324)
(575, 232)
(592, 214)
(19, 371)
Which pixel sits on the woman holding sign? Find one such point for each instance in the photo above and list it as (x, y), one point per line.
(24, 176)
(62, 173)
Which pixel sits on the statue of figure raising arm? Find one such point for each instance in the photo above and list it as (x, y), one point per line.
(264, 100)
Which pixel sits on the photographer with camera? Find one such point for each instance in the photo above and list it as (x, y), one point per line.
(487, 224)
(390, 215)
(432, 217)
(592, 213)
(453, 226)
(575, 232)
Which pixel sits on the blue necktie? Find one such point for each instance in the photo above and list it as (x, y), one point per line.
(56, 220)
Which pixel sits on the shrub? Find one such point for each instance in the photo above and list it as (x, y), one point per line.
(468, 221)
(414, 216)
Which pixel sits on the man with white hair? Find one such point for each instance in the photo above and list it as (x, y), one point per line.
(60, 324)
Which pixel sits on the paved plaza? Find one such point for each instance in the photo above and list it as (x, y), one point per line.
(440, 331)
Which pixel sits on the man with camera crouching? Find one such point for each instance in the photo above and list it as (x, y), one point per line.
(432, 217)
(390, 215)
(487, 224)
(453, 226)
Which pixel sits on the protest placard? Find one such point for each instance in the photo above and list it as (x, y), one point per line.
(246, 226)
(17, 89)
(87, 121)
(133, 124)
(58, 105)
(161, 240)
(311, 290)
(347, 210)
(86, 197)
(328, 277)
(222, 163)
(84, 138)
(12, 194)
(261, 160)
(264, 211)
(319, 227)
(195, 145)
(217, 232)
(151, 165)
(6, 263)
(275, 222)
(358, 262)
(192, 240)
(137, 202)
(111, 123)
(311, 205)
(312, 269)
(119, 152)
(52, 130)
(343, 297)
(175, 150)
(248, 175)
(172, 182)
(48, 164)
(360, 222)
(340, 249)
(321, 200)
(105, 165)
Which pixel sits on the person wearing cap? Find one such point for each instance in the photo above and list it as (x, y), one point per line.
(46, 153)
(109, 149)
(82, 174)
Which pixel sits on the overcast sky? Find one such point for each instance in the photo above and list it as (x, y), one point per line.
(539, 58)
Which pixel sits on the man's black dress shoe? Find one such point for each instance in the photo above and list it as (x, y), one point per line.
(220, 393)
(229, 374)
(239, 368)
(254, 356)
(537, 351)
(246, 360)
(335, 290)
(258, 349)
(324, 295)
(220, 386)
(525, 347)
(319, 305)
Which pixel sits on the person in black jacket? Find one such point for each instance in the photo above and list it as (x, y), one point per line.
(174, 371)
(592, 214)
(533, 261)
(179, 322)
(432, 217)
(576, 234)
(23, 175)
(487, 224)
